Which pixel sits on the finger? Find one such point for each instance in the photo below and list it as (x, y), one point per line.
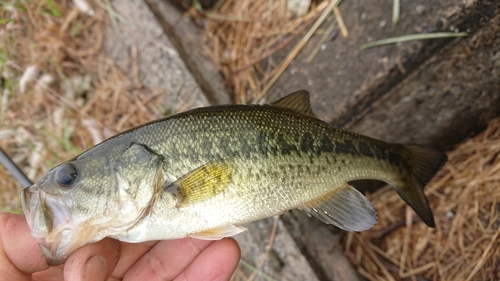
(52, 273)
(93, 262)
(20, 254)
(166, 260)
(131, 252)
(217, 262)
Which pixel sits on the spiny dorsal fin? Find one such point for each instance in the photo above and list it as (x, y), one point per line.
(346, 208)
(297, 101)
(202, 183)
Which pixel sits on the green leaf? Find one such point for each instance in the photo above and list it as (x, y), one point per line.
(4, 21)
(53, 10)
(405, 38)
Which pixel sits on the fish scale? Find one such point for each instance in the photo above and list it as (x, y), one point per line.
(204, 172)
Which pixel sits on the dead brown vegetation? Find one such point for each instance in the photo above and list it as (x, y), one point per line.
(465, 245)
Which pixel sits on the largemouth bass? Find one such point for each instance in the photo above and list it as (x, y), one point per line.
(204, 172)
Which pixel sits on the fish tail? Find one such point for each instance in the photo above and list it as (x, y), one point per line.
(423, 164)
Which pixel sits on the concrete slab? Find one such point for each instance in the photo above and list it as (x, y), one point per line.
(320, 244)
(159, 64)
(345, 83)
(451, 96)
(186, 37)
(284, 261)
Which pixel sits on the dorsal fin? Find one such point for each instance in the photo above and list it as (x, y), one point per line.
(297, 101)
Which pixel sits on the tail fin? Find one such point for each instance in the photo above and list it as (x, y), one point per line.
(424, 163)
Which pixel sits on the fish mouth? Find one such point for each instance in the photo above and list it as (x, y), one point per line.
(34, 211)
(40, 219)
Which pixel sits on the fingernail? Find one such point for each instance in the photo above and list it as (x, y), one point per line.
(96, 268)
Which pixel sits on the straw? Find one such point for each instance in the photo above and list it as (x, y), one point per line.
(465, 244)
(284, 65)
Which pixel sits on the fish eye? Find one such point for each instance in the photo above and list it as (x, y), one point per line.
(66, 175)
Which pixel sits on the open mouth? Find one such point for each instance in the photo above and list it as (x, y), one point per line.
(40, 222)
(32, 199)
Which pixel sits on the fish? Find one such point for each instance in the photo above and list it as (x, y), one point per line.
(205, 172)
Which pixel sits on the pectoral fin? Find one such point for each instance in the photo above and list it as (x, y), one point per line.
(202, 183)
(346, 208)
(218, 233)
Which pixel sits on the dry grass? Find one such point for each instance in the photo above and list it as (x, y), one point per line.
(75, 99)
(465, 245)
(251, 33)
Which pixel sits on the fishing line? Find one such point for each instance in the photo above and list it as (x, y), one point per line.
(14, 169)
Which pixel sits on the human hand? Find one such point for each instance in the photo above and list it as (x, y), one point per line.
(185, 259)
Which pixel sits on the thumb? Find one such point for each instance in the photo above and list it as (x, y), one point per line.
(20, 254)
(95, 261)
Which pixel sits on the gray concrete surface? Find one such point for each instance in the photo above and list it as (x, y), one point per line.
(284, 261)
(451, 96)
(346, 83)
(159, 64)
(186, 37)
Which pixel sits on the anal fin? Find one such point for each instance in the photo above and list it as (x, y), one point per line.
(218, 233)
(346, 208)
